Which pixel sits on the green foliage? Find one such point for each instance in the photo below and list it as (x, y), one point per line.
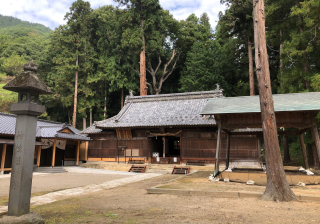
(9, 21)
(6, 98)
(13, 65)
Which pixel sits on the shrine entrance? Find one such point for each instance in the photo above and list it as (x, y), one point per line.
(165, 150)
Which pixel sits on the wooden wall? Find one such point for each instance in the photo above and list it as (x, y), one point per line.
(195, 144)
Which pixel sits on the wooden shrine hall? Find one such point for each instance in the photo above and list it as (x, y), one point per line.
(56, 143)
(166, 129)
(295, 110)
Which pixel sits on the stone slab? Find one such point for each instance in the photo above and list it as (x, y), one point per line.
(250, 194)
(29, 218)
(309, 198)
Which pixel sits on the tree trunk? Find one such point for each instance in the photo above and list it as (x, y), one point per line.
(143, 75)
(251, 77)
(281, 65)
(75, 94)
(84, 121)
(286, 153)
(277, 187)
(122, 97)
(105, 102)
(90, 116)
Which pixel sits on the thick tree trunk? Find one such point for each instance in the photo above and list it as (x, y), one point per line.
(315, 138)
(75, 95)
(105, 101)
(286, 153)
(122, 97)
(251, 77)
(277, 187)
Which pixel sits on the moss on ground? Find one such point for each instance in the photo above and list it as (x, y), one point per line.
(5, 200)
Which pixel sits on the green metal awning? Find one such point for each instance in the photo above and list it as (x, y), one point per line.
(251, 104)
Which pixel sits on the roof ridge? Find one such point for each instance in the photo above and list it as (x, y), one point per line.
(175, 96)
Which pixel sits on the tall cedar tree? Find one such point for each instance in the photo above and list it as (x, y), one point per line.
(237, 23)
(147, 30)
(74, 55)
(277, 188)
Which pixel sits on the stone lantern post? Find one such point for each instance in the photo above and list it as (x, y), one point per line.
(29, 86)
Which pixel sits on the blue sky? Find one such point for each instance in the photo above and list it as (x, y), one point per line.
(51, 12)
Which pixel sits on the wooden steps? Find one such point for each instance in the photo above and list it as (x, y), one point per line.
(137, 169)
(180, 170)
(57, 169)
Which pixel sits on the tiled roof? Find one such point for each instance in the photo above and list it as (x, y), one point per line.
(251, 104)
(166, 110)
(45, 129)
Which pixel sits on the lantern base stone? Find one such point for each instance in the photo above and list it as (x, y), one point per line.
(30, 218)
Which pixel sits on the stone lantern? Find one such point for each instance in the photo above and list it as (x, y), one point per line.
(29, 86)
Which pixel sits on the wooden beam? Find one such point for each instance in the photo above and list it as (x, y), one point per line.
(216, 167)
(228, 151)
(304, 130)
(54, 152)
(78, 153)
(38, 156)
(303, 149)
(3, 158)
(315, 138)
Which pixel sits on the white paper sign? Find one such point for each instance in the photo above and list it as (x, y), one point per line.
(174, 159)
(158, 159)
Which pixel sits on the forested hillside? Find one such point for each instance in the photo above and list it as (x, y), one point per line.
(20, 41)
(96, 55)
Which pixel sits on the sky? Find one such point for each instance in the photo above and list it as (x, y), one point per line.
(51, 12)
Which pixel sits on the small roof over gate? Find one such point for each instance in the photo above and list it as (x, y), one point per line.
(251, 104)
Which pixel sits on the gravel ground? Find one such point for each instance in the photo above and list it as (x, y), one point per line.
(131, 204)
(58, 181)
(199, 182)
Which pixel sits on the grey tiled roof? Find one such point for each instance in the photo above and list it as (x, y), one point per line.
(45, 129)
(251, 104)
(166, 110)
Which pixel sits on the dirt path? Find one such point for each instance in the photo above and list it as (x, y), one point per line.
(130, 204)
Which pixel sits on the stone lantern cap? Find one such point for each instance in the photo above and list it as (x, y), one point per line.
(28, 81)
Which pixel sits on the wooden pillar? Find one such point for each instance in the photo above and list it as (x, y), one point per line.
(38, 155)
(216, 167)
(78, 153)
(315, 158)
(304, 152)
(228, 151)
(3, 158)
(315, 138)
(164, 147)
(54, 152)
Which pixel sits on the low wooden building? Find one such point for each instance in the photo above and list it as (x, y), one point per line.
(57, 144)
(165, 128)
(295, 111)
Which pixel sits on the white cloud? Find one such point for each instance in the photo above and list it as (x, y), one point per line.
(51, 12)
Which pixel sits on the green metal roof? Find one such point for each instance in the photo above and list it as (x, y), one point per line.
(251, 104)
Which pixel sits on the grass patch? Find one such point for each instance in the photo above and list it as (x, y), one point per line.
(5, 200)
